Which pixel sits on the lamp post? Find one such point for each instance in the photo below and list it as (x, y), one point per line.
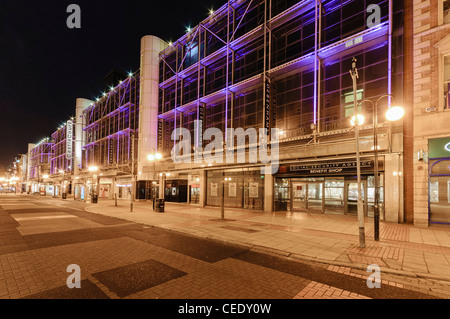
(394, 113)
(63, 188)
(153, 158)
(94, 194)
(354, 74)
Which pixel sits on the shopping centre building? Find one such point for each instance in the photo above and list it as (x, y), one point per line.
(277, 64)
(274, 64)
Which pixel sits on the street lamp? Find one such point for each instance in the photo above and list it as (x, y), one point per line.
(355, 76)
(63, 188)
(394, 113)
(153, 158)
(94, 195)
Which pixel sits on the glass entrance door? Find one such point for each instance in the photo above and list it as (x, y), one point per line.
(307, 196)
(299, 196)
(315, 197)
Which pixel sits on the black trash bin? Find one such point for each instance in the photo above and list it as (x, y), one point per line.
(94, 199)
(159, 205)
(64, 196)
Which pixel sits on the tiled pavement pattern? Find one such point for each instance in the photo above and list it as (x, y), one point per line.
(33, 263)
(316, 290)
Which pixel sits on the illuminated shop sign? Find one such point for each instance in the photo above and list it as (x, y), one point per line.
(330, 168)
(439, 148)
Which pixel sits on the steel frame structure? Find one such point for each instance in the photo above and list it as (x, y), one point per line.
(59, 160)
(174, 71)
(40, 157)
(109, 126)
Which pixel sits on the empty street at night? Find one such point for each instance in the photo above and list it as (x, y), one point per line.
(190, 253)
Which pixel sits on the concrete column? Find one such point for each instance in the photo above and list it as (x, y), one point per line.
(202, 199)
(392, 191)
(151, 46)
(80, 135)
(268, 193)
(162, 186)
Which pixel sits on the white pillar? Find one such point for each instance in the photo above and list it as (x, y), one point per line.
(151, 46)
(268, 193)
(392, 187)
(202, 182)
(80, 135)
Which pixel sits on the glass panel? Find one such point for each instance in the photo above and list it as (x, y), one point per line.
(440, 199)
(282, 194)
(334, 196)
(315, 195)
(353, 197)
(299, 196)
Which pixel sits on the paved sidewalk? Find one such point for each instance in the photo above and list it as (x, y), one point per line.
(404, 251)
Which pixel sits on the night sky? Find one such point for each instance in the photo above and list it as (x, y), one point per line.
(45, 66)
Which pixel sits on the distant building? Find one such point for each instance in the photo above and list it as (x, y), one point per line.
(40, 156)
(62, 161)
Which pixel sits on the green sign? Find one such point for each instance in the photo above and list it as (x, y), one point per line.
(438, 148)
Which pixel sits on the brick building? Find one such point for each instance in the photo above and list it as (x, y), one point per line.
(427, 136)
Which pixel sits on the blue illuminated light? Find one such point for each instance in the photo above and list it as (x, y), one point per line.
(447, 147)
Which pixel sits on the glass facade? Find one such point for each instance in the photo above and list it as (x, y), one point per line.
(305, 93)
(241, 188)
(108, 125)
(283, 66)
(329, 195)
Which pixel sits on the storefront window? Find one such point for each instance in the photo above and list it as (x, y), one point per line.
(440, 191)
(242, 189)
(334, 196)
(282, 194)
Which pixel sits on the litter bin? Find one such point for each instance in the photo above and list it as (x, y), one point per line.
(94, 199)
(159, 205)
(64, 196)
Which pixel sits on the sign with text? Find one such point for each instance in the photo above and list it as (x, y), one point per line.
(330, 168)
(69, 140)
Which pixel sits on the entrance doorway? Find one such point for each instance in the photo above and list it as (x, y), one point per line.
(307, 196)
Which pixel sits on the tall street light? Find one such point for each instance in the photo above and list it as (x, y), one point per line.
(94, 194)
(354, 74)
(153, 158)
(394, 113)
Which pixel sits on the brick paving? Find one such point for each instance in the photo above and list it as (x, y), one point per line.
(327, 239)
(33, 262)
(316, 290)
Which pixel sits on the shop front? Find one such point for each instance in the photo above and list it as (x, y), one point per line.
(176, 191)
(241, 188)
(329, 188)
(105, 187)
(439, 181)
(123, 188)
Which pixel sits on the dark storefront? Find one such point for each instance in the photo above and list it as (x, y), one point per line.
(176, 191)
